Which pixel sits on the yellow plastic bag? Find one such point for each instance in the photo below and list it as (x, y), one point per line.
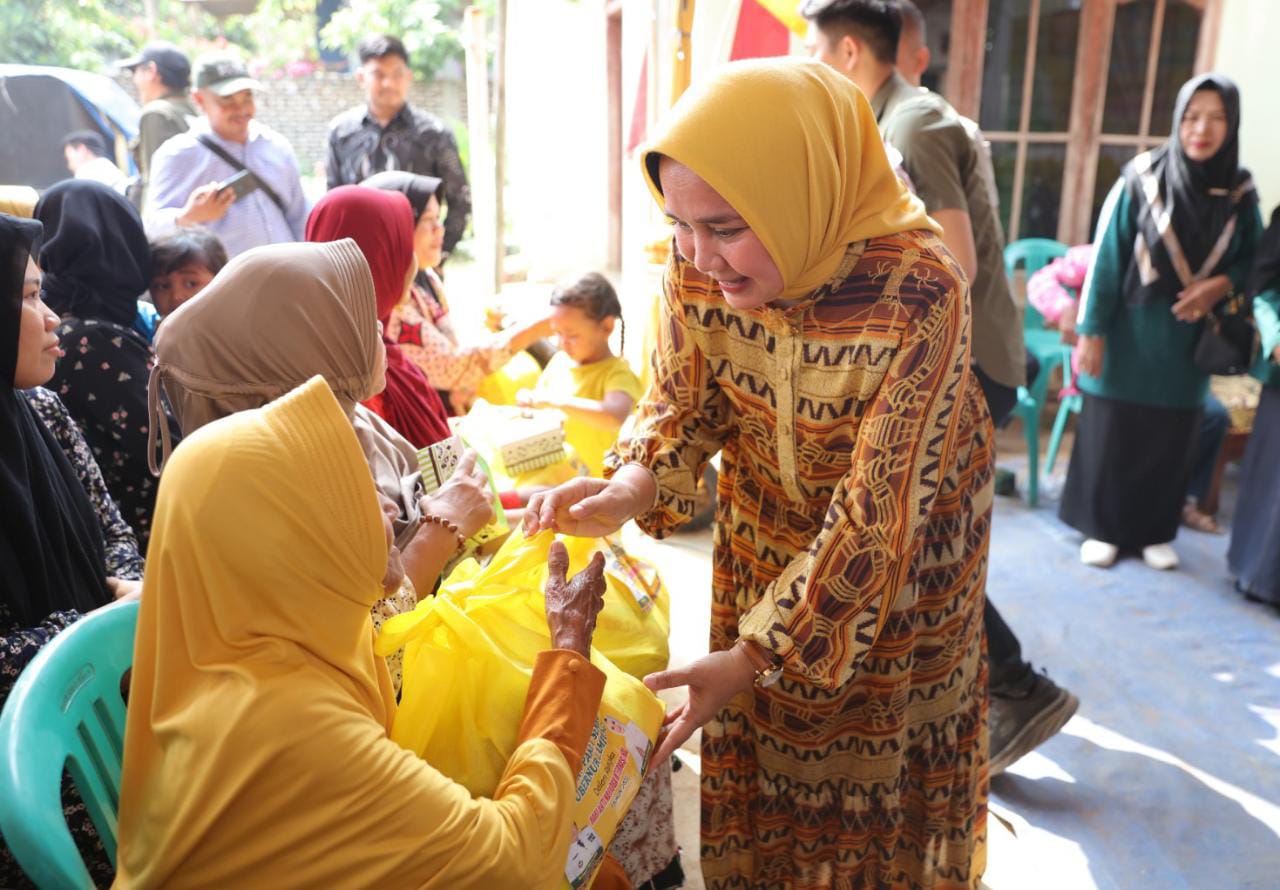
(633, 628)
(469, 654)
(500, 387)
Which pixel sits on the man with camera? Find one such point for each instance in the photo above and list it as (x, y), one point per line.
(229, 173)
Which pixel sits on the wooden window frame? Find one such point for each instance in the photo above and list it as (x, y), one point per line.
(1088, 97)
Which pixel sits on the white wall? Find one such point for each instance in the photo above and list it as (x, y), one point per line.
(557, 185)
(1247, 52)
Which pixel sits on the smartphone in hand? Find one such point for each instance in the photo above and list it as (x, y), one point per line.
(241, 183)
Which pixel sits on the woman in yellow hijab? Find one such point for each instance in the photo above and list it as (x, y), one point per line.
(256, 748)
(815, 333)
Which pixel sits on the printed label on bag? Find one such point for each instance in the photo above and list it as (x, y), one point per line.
(625, 569)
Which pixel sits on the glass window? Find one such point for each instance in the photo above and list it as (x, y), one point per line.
(1042, 190)
(1055, 69)
(1004, 64)
(1004, 156)
(1176, 62)
(1127, 73)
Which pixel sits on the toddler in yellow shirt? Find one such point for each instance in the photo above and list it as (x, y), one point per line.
(594, 388)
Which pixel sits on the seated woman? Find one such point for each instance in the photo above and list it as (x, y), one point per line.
(97, 263)
(240, 343)
(257, 749)
(53, 560)
(420, 324)
(381, 223)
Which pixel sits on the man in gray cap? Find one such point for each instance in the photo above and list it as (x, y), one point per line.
(192, 173)
(162, 76)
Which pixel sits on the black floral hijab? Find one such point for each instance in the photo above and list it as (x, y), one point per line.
(1187, 210)
(51, 550)
(95, 255)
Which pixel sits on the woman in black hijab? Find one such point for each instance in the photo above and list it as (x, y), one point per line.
(96, 263)
(421, 323)
(1254, 557)
(1175, 237)
(51, 548)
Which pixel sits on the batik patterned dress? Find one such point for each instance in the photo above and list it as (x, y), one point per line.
(851, 540)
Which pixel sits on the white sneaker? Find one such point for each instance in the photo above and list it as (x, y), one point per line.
(1099, 554)
(1160, 556)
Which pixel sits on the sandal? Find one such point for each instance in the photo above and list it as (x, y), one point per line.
(1193, 518)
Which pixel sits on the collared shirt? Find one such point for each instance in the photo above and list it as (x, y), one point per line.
(950, 169)
(413, 141)
(182, 164)
(103, 171)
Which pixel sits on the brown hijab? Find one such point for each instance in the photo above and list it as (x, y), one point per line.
(273, 318)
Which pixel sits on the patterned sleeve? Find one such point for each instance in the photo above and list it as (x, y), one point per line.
(103, 384)
(447, 365)
(123, 559)
(19, 646)
(681, 422)
(457, 192)
(824, 611)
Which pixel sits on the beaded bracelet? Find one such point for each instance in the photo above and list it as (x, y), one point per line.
(447, 525)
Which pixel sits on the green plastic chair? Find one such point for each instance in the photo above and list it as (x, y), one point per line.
(1032, 254)
(66, 711)
(1067, 405)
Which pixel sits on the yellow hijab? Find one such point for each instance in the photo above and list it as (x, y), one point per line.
(256, 746)
(794, 148)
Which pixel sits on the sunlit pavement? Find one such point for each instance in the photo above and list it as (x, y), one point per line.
(1169, 775)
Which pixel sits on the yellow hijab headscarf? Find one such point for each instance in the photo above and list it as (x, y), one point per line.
(794, 148)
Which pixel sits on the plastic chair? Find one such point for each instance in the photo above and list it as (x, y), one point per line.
(1046, 345)
(66, 711)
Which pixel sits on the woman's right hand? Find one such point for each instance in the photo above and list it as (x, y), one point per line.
(587, 507)
(1091, 352)
(573, 603)
(465, 499)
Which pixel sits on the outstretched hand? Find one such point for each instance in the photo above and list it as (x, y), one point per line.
(713, 680)
(573, 603)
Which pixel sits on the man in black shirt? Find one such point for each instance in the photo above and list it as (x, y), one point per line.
(388, 134)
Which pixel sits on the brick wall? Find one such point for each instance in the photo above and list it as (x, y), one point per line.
(301, 108)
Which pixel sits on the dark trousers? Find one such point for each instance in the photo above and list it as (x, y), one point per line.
(1214, 424)
(1004, 652)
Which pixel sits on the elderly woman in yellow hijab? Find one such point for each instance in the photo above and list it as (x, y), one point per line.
(256, 748)
(815, 332)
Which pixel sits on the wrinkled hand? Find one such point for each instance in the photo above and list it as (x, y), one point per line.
(125, 590)
(582, 507)
(205, 205)
(573, 603)
(1198, 298)
(465, 499)
(712, 680)
(1091, 351)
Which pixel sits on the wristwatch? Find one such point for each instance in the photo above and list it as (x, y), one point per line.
(768, 668)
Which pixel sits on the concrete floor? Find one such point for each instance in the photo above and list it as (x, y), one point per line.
(1169, 774)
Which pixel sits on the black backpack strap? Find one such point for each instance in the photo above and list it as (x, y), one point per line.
(234, 162)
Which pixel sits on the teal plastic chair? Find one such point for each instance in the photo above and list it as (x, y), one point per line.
(1032, 254)
(66, 711)
(1067, 405)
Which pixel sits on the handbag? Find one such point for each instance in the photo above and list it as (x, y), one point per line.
(1228, 343)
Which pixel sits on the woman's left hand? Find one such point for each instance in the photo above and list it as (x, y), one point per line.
(1198, 298)
(712, 680)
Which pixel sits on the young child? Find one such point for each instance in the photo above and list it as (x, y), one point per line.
(594, 388)
(182, 265)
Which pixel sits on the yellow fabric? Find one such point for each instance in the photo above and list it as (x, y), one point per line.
(807, 191)
(256, 747)
(564, 377)
(500, 387)
(468, 657)
(18, 200)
